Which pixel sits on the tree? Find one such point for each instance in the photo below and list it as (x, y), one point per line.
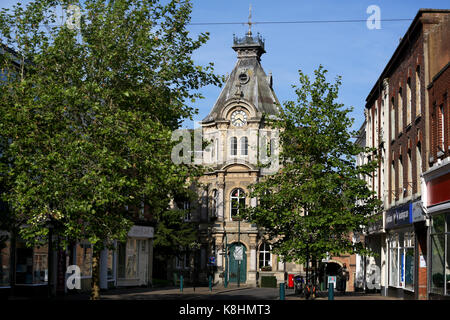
(318, 198)
(89, 113)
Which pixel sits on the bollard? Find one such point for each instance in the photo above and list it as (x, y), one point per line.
(210, 283)
(282, 292)
(181, 283)
(331, 291)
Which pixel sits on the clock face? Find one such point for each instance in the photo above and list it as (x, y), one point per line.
(239, 118)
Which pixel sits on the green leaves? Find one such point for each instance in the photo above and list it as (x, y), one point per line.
(86, 115)
(318, 198)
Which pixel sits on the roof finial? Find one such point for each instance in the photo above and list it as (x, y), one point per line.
(249, 33)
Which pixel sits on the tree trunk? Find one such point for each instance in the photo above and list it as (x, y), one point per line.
(95, 285)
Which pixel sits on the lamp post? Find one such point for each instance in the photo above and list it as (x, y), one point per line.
(239, 261)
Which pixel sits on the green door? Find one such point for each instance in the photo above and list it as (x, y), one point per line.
(235, 264)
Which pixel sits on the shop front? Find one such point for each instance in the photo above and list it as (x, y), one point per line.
(401, 251)
(135, 258)
(437, 181)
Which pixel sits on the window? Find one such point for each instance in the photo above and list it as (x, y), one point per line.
(418, 165)
(128, 256)
(233, 145)
(409, 175)
(244, 146)
(182, 261)
(213, 151)
(237, 201)
(393, 192)
(441, 127)
(392, 119)
(393, 257)
(216, 147)
(214, 203)
(187, 210)
(375, 127)
(401, 255)
(440, 258)
(408, 101)
(264, 255)
(400, 110)
(400, 175)
(418, 100)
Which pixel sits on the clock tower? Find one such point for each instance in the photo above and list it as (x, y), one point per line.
(240, 139)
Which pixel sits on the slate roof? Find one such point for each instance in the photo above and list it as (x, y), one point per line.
(257, 88)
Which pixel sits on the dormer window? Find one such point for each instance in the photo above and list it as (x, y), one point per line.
(243, 78)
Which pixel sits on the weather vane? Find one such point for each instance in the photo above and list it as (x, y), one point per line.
(249, 33)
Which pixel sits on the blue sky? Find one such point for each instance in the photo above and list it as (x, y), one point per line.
(350, 50)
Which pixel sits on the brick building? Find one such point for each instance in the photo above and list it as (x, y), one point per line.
(436, 180)
(399, 117)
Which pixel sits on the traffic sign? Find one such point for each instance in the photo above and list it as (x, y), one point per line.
(238, 253)
(332, 279)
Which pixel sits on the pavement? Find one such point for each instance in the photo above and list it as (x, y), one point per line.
(218, 292)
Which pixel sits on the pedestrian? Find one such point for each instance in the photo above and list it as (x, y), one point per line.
(344, 276)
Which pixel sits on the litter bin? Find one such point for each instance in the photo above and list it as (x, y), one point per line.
(291, 281)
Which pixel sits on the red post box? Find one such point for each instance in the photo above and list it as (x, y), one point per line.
(291, 281)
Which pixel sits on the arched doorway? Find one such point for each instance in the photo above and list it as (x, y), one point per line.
(237, 260)
(330, 268)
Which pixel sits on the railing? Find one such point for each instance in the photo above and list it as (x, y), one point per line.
(249, 40)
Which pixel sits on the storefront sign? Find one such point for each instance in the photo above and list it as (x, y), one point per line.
(141, 232)
(399, 216)
(376, 226)
(417, 212)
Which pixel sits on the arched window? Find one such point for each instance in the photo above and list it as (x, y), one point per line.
(244, 146)
(264, 255)
(213, 151)
(237, 201)
(217, 149)
(214, 203)
(233, 145)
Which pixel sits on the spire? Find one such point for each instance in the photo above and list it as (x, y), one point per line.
(249, 45)
(249, 33)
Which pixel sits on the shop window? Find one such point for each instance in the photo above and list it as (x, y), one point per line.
(127, 264)
(437, 263)
(401, 254)
(440, 260)
(110, 265)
